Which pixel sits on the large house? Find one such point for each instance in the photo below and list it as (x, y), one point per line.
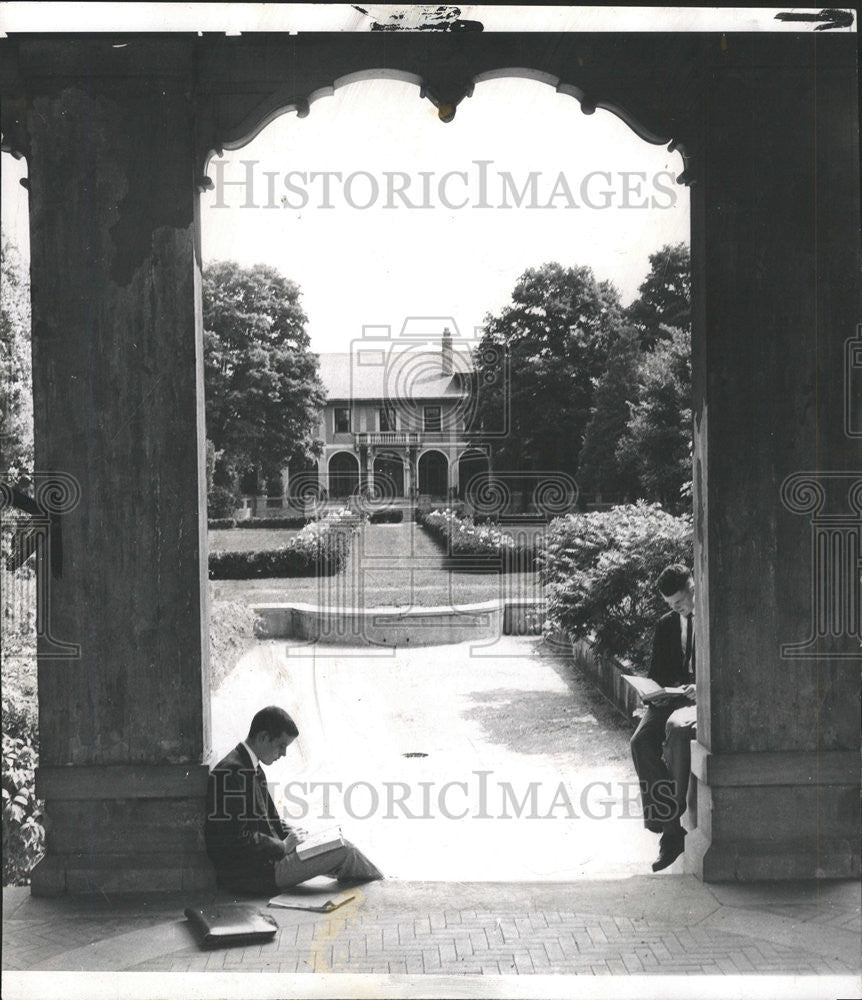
(395, 420)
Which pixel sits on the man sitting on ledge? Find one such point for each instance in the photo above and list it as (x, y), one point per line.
(250, 846)
(661, 745)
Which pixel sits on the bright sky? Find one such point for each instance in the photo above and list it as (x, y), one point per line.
(381, 265)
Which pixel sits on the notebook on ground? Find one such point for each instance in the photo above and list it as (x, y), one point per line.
(232, 923)
(289, 901)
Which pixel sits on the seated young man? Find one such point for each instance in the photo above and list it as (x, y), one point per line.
(250, 846)
(661, 745)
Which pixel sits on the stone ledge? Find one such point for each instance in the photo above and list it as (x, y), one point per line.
(785, 767)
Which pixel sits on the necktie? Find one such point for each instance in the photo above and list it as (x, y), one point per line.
(689, 645)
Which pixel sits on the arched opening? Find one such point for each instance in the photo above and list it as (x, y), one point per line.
(388, 476)
(472, 463)
(433, 474)
(343, 475)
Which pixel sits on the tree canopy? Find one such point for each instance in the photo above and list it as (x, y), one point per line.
(664, 299)
(536, 363)
(263, 392)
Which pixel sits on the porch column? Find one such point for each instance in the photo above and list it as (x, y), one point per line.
(118, 399)
(775, 217)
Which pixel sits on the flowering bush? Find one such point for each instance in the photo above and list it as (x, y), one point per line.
(461, 536)
(320, 549)
(600, 570)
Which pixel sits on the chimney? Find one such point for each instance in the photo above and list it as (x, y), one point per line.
(446, 353)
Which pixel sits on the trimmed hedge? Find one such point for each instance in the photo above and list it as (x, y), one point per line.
(320, 549)
(297, 521)
(465, 541)
(215, 523)
(600, 569)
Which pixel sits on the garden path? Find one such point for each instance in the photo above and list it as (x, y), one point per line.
(486, 723)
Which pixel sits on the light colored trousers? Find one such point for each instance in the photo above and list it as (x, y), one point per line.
(347, 864)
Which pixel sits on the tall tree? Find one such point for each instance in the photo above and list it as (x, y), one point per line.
(536, 364)
(657, 442)
(664, 299)
(263, 392)
(600, 469)
(16, 372)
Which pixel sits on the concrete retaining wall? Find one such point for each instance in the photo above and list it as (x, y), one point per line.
(400, 626)
(607, 674)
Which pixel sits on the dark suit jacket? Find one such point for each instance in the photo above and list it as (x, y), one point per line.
(667, 666)
(243, 830)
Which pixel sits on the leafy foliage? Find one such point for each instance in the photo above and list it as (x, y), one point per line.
(263, 392)
(602, 470)
(556, 334)
(320, 549)
(16, 376)
(665, 295)
(600, 570)
(657, 441)
(461, 536)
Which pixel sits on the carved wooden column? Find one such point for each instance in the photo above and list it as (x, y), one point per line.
(117, 367)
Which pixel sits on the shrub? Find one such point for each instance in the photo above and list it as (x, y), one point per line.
(23, 832)
(320, 549)
(221, 502)
(386, 515)
(297, 521)
(600, 569)
(462, 538)
(233, 626)
(220, 522)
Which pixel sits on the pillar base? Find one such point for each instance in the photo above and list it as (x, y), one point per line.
(775, 816)
(123, 829)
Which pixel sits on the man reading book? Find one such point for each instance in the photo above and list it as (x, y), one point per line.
(661, 745)
(250, 846)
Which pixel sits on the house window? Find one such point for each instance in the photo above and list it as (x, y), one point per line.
(342, 420)
(432, 418)
(386, 418)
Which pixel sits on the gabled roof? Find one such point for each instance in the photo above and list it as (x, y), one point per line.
(377, 374)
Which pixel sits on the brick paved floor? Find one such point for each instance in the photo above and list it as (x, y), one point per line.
(644, 925)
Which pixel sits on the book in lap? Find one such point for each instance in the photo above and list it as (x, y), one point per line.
(648, 689)
(320, 843)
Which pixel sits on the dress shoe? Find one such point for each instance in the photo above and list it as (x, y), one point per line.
(653, 827)
(669, 850)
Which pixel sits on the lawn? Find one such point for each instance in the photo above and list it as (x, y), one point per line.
(249, 539)
(395, 565)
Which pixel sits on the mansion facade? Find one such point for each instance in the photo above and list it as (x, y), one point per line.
(394, 424)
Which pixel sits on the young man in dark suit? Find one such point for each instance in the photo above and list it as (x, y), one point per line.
(250, 846)
(661, 745)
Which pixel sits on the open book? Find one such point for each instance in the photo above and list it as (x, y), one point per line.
(319, 843)
(648, 689)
